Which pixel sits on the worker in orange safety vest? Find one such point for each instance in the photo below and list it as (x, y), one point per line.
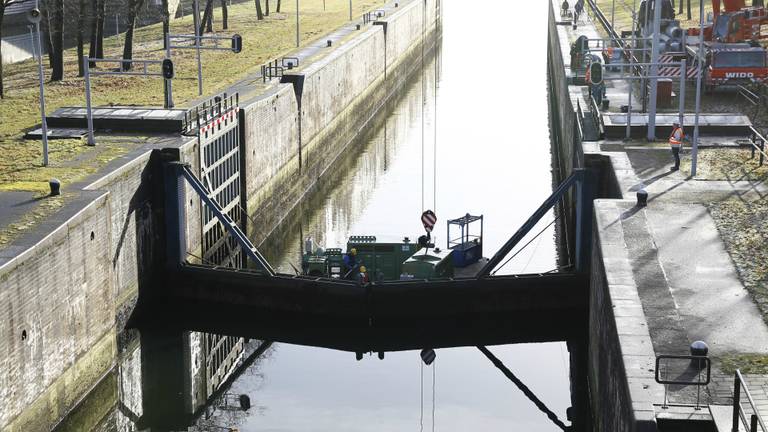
(675, 143)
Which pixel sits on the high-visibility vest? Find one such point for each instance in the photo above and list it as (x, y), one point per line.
(674, 141)
(610, 52)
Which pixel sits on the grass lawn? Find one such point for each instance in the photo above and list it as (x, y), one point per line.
(70, 160)
(731, 164)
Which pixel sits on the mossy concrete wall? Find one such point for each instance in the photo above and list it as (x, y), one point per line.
(65, 301)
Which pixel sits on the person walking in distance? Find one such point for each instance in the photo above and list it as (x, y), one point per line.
(675, 143)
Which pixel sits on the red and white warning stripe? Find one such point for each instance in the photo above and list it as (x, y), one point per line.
(221, 119)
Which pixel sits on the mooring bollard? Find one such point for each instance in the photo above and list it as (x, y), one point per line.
(55, 185)
(329, 42)
(698, 348)
(642, 198)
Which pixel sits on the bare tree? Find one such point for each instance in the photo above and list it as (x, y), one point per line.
(689, 8)
(82, 13)
(224, 15)
(55, 21)
(133, 10)
(259, 13)
(277, 9)
(206, 25)
(266, 9)
(166, 21)
(4, 4)
(96, 49)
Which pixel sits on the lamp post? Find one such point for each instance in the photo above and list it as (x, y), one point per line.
(34, 17)
(695, 145)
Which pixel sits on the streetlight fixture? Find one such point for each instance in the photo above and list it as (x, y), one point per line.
(34, 17)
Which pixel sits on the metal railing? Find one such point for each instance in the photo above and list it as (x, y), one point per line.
(199, 115)
(597, 117)
(373, 15)
(739, 415)
(757, 141)
(579, 121)
(695, 362)
(277, 67)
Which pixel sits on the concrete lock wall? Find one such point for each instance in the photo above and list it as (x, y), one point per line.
(339, 94)
(65, 301)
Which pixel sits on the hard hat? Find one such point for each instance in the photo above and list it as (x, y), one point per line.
(353, 251)
(362, 269)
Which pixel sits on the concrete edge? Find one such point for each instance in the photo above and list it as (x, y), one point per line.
(635, 342)
(59, 231)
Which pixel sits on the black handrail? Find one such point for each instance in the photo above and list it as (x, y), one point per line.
(738, 412)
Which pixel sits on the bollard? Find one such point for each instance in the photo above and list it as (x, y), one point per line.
(290, 65)
(329, 42)
(642, 198)
(397, 4)
(55, 185)
(357, 27)
(698, 348)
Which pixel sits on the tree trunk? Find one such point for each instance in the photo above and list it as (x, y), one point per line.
(224, 15)
(80, 37)
(57, 40)
(166, 22)
(259, 13)
(266, 9)
(100, 28)
(680, 8)
(205, 23)
(277, 9)
(45, 34)
(689, 9)
(2, 15)
(94, 25)
(133, 9)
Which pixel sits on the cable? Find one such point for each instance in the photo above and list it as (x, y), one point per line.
(526, 245)
(434, 366)
(421, 417)
(526, 391)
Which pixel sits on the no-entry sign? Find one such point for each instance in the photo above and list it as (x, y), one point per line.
(428, 219)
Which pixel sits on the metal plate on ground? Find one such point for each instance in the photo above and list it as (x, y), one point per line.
(57, 133)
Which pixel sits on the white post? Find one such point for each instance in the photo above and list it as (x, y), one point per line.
(695, 146)
(196, 20)
(297, 23)
(168, 83)
(654, 69)
(41, 77)
(683, 70)
(88, 110)
(631, 71)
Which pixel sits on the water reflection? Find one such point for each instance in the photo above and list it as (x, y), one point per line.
(452, 141)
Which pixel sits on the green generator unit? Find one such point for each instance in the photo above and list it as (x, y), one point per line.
(429, 264)
(327, 264)
(382, 257)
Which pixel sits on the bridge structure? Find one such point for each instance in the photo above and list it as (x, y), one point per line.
(383, 316)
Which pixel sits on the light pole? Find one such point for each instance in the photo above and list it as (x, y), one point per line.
(654, 69)
(695, 146)
(34, 17)
(197, 44)
(297, 23)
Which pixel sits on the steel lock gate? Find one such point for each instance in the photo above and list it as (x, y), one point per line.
(218, 133)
